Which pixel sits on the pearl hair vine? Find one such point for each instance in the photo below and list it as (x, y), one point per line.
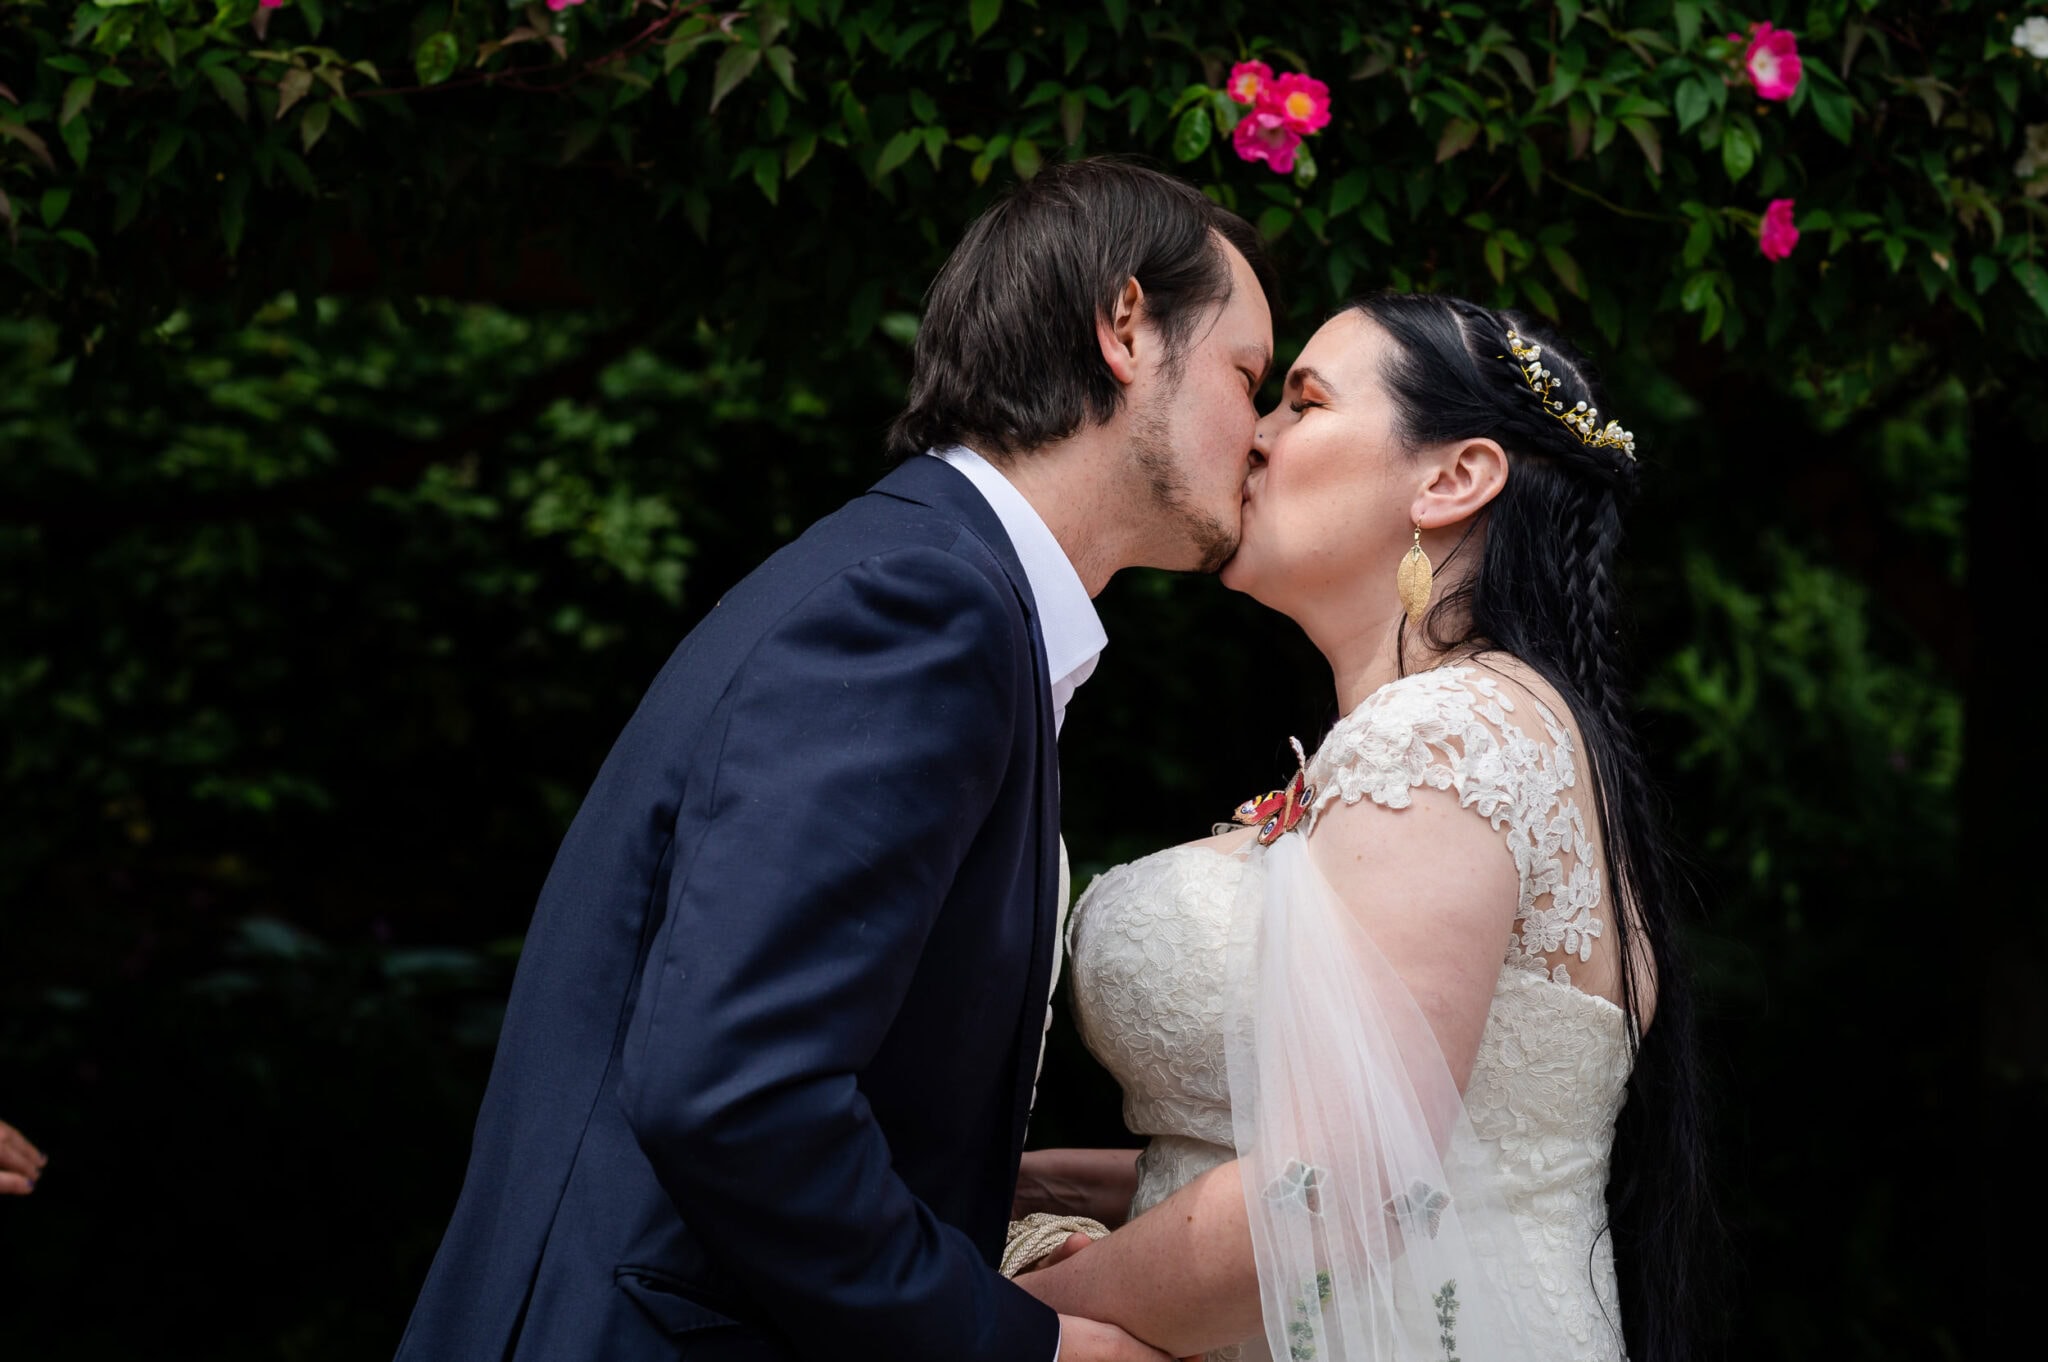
(1581, 420)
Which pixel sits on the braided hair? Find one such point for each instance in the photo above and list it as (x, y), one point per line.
(1544, 593)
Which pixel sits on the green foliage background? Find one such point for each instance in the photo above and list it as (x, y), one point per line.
(384, 389)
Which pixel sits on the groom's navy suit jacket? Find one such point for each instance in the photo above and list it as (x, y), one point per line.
(764, 1075)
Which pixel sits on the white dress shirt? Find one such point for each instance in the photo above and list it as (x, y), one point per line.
(1074, 637)
(1073, 633)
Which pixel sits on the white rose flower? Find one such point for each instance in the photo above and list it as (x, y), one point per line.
(2032, 35)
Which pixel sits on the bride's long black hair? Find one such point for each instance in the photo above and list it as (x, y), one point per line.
(1543, 591)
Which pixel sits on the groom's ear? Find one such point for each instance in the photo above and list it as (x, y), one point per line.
(1116, 331)
(1468, 476)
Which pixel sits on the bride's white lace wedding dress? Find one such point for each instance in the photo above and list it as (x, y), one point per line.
(1148, 942)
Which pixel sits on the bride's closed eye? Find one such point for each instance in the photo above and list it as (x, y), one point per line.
(1303, 404)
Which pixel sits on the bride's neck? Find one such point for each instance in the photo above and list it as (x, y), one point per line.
(1366, 653)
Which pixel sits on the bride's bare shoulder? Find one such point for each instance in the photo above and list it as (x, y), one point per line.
(1223, 843)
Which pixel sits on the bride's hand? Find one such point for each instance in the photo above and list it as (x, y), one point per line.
(1073, 1244)
(1097, 1183)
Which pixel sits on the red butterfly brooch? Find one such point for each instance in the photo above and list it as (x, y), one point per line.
(1276, 814)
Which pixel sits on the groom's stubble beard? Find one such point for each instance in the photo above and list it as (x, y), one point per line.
(1151, 445)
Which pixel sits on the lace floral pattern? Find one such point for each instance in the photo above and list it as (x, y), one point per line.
(1449, 729)
(1148, 943)
(1149, 987)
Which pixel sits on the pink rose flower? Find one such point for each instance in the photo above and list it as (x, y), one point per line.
(1303, 101)
(270, 4)
(1777, 236)
(1248, 80)
(1263, 135)
(1772, 61)
(559, 5)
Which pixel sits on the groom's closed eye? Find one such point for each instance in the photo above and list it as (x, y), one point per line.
(1254, 365)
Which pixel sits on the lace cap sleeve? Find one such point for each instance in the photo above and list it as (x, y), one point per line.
(1459, 729)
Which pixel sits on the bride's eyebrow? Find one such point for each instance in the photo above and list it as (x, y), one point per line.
(1302, 374)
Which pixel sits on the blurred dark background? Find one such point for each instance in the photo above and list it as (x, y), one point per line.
(354, 484)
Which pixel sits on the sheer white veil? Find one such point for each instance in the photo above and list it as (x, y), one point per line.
(1378, 1230)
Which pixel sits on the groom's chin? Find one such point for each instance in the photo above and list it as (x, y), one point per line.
(1214, 543)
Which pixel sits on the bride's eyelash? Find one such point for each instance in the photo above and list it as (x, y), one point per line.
(1303, 405)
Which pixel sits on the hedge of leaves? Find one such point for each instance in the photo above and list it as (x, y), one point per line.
(1609, 161)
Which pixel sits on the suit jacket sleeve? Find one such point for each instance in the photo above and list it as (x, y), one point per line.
(866, 738)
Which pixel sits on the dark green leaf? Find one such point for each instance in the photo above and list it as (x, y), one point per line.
(1341, 271)
(313, 123)
(232, 218)
(168, 140)
(1458, 134)
(735, 64)
(1274, 222)
(1191, 135)
(37, 147)
(1519, 61)
(897, 150)
(1348, 192)
(1566, 269)
(297, 83)
(1698, 242)
(1693, 103)
(77, 95)
(1073, 109)
(1685, 17)
(1738, 151)
(77, 138)
(435, 59)
(782, 62)
(801, 148)
(1646, 137)
(55, 201)
(229, 87)
(1025, 158)
(1836, 112)
(982, 14)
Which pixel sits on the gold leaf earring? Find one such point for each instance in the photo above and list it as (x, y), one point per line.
(1414, 580)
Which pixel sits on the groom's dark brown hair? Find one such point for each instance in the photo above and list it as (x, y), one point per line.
(1006, 357)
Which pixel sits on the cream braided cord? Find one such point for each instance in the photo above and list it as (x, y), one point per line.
(1038, 1234)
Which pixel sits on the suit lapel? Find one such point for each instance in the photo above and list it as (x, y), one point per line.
(935, 483)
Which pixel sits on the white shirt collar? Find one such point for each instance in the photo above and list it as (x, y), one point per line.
(1074, 637)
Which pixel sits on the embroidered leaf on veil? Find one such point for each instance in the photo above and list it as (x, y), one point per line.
(1421, 1206)
(1297, 1182)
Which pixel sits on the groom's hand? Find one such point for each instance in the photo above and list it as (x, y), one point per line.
(1090, 1340)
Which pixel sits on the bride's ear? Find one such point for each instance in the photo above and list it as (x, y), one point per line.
(1467, 478)
(1117, 332)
